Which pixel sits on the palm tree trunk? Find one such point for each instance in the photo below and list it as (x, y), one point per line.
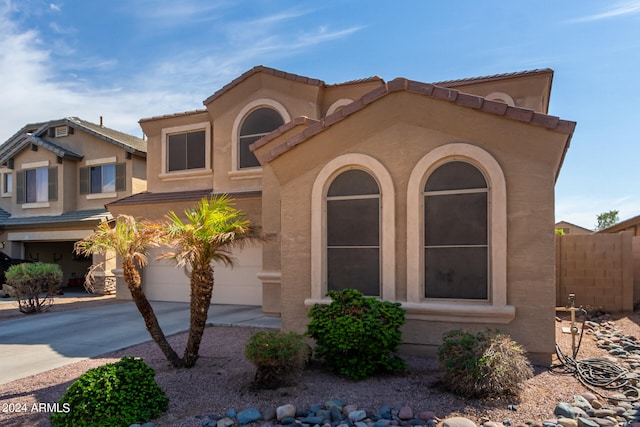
(132, 278)
(201, 290)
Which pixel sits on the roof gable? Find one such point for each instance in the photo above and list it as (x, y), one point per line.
(37, 134)
(262, 69)
(479, 103)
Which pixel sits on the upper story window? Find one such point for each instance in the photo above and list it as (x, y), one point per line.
(37, 185)
(456, 233)
(186, 151)
(353, 233)
(7, 183)
(257, 124)
(103, 178)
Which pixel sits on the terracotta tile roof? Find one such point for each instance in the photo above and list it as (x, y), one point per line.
(266, 70)
(426, 89)
(175, 196)
(460, 82)
(358, 81)
(168, 116)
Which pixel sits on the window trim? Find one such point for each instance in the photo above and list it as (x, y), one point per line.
(9, 191)
(102, 162)
(188, 173)
(52, 184)
(319, 220)
(493, 310)
(235, 172)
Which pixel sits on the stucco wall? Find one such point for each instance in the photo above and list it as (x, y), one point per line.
(397, 133)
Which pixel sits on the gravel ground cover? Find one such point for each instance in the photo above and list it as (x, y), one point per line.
(221, 381)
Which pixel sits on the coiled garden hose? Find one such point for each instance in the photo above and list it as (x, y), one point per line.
(599, 373)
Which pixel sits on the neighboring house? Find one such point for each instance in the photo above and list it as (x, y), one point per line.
(568, 228)
(56, 177)
(439, 196)
(631, 224)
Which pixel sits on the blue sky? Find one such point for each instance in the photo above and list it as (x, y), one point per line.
(129, 59)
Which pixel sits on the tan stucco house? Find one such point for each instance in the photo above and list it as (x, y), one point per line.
(439, 196)
(56, 177)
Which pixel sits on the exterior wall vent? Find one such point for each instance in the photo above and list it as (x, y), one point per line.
(62, 131)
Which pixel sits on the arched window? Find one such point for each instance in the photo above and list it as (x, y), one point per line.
(353, 233)
(255, 125)
(456, 245)
(457, 237)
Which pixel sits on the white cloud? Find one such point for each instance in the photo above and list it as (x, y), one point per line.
(621, 9)
(37, 86)
(55, 7)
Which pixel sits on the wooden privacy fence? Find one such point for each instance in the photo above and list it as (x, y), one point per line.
(598, 269)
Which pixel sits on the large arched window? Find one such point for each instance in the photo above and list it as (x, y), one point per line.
(353, 233)
(456, 233)
(257, 124)
(457, 237)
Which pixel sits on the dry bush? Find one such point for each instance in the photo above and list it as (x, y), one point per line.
(481, 365)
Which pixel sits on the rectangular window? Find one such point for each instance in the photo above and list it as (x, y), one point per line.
(186, 151)
(37, 185)
(107, 178)
(7, 183)
(103, 179)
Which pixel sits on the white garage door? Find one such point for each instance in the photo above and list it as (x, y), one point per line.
(162, 281)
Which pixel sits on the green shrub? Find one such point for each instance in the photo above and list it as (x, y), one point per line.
(356, 335)
(486, 364)
(277, 356)
(33, 284)
(116, 394)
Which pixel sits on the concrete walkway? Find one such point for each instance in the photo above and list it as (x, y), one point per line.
(38, 343)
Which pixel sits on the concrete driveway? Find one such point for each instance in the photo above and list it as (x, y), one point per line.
(38, 343)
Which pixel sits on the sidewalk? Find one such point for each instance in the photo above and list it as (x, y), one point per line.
(38, 343)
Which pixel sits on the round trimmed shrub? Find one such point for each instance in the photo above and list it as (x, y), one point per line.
(116, 394)
(485, 364)
(32, 284)
(357, 336)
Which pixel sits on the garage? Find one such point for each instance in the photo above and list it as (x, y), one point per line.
(163, 281)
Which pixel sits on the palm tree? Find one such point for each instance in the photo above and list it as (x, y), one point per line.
(130, 239)
(212, 229)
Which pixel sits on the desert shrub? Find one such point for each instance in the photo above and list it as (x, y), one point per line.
(116, 394)
(277, 356)
(33, 284)
(484, 364)
(357, 336)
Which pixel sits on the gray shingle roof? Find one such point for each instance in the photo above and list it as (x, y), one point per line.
(96, 215)
(36, 133)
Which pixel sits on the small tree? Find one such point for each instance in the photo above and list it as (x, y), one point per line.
(607, 219)
(212, 229)
(130, 239)
(33, 285)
